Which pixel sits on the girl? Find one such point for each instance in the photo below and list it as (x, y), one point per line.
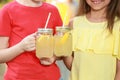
(18, 22)
(96, 41)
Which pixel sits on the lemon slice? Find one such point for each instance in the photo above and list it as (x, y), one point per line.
(65, 37)
(40, 38)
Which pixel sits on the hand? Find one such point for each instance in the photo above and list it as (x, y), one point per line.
(48, 61)
(28, 43)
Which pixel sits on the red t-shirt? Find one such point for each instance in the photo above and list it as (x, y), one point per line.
(18, 21)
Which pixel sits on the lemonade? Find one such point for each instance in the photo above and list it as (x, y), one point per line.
(63, 42)
(44, 44)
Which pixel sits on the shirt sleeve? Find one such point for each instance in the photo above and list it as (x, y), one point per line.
(117, 49)
(5, 22)
(116, 33)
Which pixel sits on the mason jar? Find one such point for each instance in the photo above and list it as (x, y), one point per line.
(44, 43)
(63, 41)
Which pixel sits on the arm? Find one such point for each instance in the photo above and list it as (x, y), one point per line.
(7, 54)
(117, 77)
(68, 61)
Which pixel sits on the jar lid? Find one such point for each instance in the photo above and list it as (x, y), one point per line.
(65, 28)
(50, 30)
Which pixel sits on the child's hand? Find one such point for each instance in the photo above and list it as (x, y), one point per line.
(48, 61)
(28, 43)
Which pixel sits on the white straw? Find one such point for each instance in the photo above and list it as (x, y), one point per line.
(65, 19)
(47, 19)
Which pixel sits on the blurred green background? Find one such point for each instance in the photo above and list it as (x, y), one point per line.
(2, 2)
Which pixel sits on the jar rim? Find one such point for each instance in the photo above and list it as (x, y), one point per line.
(45, 30)
(63, 28)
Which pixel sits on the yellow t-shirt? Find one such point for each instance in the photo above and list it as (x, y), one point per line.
(95, 50)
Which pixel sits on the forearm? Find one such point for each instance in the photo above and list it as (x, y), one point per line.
(117, 76)
(10, 53)
(7, 54)
(68, 61)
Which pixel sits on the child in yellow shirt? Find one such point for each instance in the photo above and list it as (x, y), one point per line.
(96, 41)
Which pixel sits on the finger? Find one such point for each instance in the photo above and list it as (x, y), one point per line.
(30, 48)
(33, 48)
(33, 45)
(32, 41)
(31, 38)
(45, 62)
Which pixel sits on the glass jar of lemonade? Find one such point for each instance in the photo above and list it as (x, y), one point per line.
(63, 41)
(44, 43)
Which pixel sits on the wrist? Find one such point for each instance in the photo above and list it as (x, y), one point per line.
(20, 47)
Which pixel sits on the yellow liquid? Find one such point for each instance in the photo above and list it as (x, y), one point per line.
(63, 45)
(44, 46)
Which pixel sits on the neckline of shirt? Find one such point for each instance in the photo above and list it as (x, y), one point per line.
(29, 7)
(85, 17)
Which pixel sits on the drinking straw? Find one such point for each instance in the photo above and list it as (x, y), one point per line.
(65, 19)
(47, 20)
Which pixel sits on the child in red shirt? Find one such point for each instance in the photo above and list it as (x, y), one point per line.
(18, 22)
